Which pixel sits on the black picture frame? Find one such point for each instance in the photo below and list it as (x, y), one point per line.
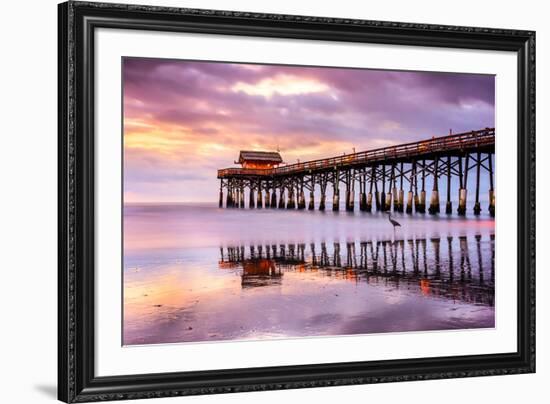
(77, 23)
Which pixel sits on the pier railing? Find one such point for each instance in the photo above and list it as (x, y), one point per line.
(445, 144)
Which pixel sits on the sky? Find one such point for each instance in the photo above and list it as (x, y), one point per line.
(184, 120)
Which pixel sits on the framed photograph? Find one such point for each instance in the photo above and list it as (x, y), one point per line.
(257, 201)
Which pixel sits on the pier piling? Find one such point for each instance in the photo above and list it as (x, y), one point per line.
(273, 204)
(311, 205)
(449, 204)
(282, 202)
(477, 206)
(259, 204)
(491, 189)
(251, 199)
(335, 192)
(463, 190)
(434, 200)
(422, 202)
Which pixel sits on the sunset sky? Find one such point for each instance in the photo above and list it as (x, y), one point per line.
(184, 120)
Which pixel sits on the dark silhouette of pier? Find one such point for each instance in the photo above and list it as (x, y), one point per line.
(382, 175)
(435, 266)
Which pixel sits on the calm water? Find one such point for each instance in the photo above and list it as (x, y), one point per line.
(199, 273)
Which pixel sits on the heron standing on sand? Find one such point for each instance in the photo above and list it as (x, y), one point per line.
(394, 223)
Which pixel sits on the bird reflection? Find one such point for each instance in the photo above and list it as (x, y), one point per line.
(426, 265)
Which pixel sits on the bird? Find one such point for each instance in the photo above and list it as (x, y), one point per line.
(394, 223)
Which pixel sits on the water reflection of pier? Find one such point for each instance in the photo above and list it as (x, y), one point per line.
(460, 268)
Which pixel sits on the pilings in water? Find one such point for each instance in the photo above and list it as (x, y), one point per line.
(352, 193)
(449, 204)
(301, 196)
(491, 188)
(282, 202)
(251, 199)
(477, 205)
(389, 195)
(259, 204)
(291, 204)
(463, 181)
(376, 196)
(410, 195)
(267, 198)
(323, 181)
(336, 192)
(273, 204)
(395, 195)
(401, 194)
(382, 204)
(228, 200)
(350, 190)
(421, 205)
(386, 183)
(434, 200)
(362, 192)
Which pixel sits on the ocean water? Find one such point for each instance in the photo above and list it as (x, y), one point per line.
(195, 273)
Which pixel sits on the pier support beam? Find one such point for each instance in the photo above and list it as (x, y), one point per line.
(220, 204)
(449, 204)
(350, 191)
(282, 202)
(362, 193)
(259, 204)
(410, 195)
(491, 189)
(311, 205)
(389, 195)
(336, 192)
(301, 196)
(409, 207)
(323, 186)
(228, 196)
(383, 195)
(368, 207)
(421, 205)
(273, 204)
(251, 199)
(267, 198)
(290, 203)
(401, 194)
(463, 182)
(323, 200)
(395, 195)
(302, 200)
(477, 206)
(434, 200)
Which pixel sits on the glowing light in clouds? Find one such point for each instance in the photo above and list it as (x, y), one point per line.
(282, 84)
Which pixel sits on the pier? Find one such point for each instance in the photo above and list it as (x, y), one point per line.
(391, 178)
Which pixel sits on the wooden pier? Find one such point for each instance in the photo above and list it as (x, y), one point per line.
(382, 177)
